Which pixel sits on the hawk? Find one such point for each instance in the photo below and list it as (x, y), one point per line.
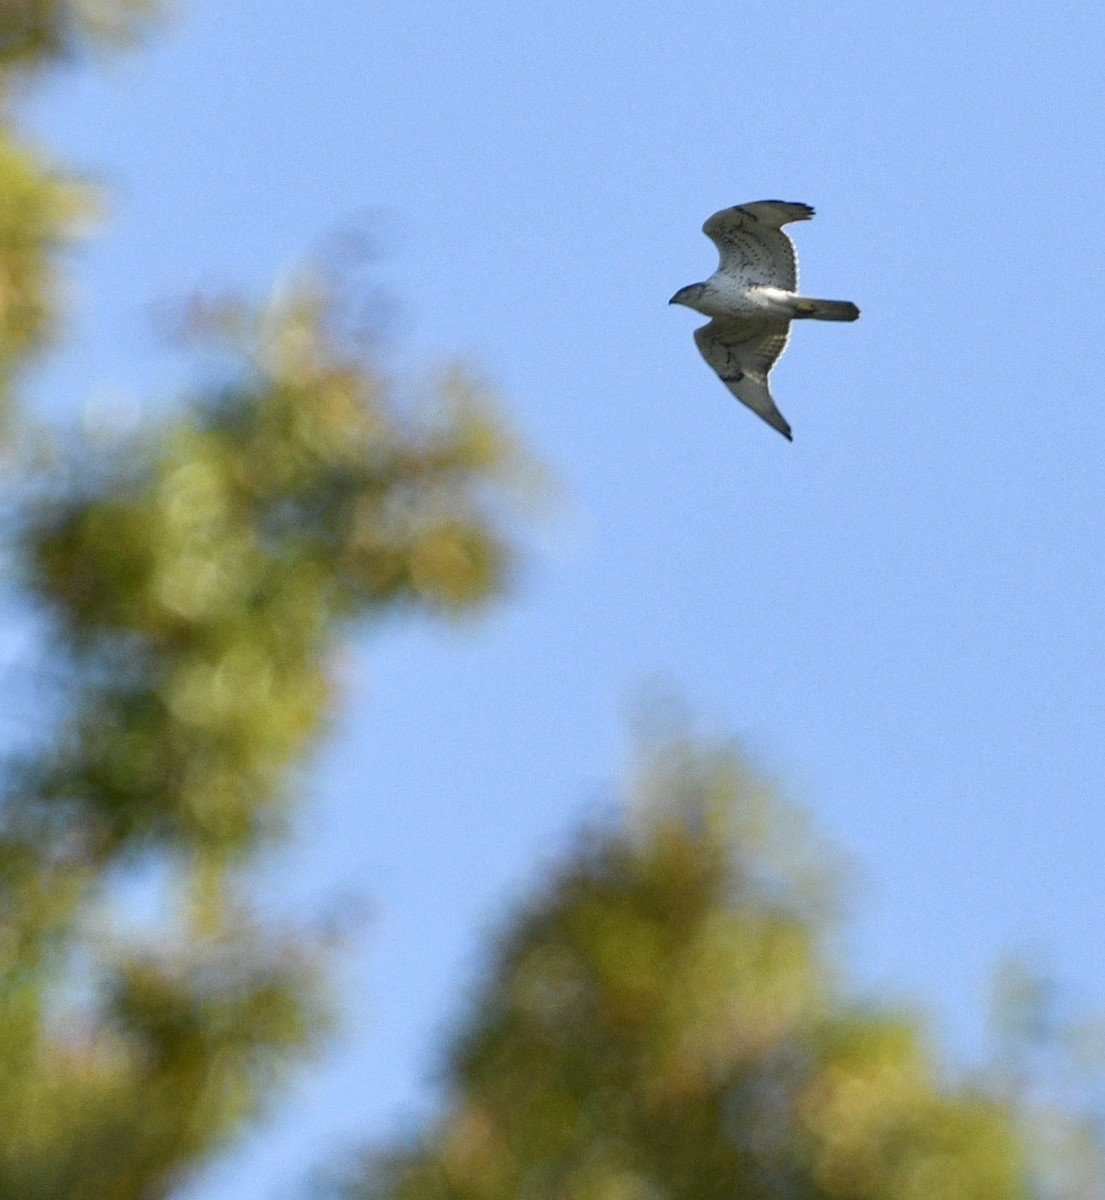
(751, 299)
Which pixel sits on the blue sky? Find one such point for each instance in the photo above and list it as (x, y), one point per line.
(900, 613)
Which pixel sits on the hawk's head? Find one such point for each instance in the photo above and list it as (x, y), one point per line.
(689, 295)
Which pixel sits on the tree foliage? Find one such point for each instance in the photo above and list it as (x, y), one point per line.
(37, 33)
(195, 577)
(42, 207)
(664, 1020)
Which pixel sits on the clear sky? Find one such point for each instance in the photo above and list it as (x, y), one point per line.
(900, 613)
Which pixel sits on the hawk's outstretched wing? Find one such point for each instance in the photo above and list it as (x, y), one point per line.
(751, 241)
(742, 353)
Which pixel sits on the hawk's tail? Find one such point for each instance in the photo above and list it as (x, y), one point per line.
(825, 310)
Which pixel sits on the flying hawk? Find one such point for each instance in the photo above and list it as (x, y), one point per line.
(751, 299)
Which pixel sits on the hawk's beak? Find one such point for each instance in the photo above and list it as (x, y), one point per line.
(675, 297)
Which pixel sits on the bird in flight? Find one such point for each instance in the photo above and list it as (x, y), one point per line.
(752, 298)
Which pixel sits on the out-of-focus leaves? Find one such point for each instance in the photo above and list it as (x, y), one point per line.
(41, 207)
(663, 1021)
(196, 577)
(39, 212)
(186, 1046)
(1049, 1067)
(203, 576)
(39, 32)
(199, 578)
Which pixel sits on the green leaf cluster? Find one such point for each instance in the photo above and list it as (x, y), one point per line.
(202, 575)
(40, 212)
(37, 33)
(195, 578)
(199, 578)
(663, 1020)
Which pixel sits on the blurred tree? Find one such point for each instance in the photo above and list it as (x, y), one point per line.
(37, 33)
(664, 1021)
(195, 576)
(1049, 1068)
